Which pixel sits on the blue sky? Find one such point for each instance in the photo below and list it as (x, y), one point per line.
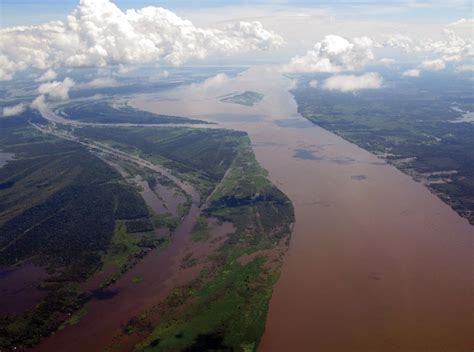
(26, 12)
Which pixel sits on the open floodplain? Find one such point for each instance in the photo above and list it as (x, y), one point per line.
(376, 261)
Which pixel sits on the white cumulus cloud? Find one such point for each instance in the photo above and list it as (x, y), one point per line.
(334, 54)
(49, 75)
(101, 82)
(463, 23)
(399, 41)
(14, 110)
(350, 83)
(427, 65)
(98, 33)
(411, 73)
(432, 65)
(465, 68)
(57, 90)
(453, 48)
(214, 82)
(313, 83)
(387, 61)
(455, 44)
(39, 103)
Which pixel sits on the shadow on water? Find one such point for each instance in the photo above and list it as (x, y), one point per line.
(230, 117)
(103, 294)
(294, 123)
(308, 154)
(7, 185)
(305, 154)
(358, 177)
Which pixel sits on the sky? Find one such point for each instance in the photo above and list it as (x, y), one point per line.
(343, 38)
(27, 12)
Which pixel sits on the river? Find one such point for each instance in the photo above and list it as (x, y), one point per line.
(376, 262)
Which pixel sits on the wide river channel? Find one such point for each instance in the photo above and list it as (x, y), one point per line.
(376, 262)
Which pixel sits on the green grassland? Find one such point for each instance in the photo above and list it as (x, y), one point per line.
(126, 246)
(409, 124)
(201, 229)
(247, 98)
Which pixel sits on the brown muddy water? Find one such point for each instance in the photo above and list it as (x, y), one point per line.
(163, 199)
(150, 197)
(376, 262)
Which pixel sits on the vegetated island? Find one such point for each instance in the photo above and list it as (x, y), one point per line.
(226, 304)
(72, 201)
(247, 98)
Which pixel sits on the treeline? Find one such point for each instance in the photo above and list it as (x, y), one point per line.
(206, 151)
(260, 211)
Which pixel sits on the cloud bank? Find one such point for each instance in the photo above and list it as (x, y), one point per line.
(456, 45)
(57, 90)
(411, 73)
(14, 110)
(427, 65)
(101, 82)
(351, 83)
(47, 76)
(98, 33)
(213, 83)
(334, 54)
(465, 68)
(433, 65)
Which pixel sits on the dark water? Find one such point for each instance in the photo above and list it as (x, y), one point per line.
(294, 123)
(358, 177)
(19, 288)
